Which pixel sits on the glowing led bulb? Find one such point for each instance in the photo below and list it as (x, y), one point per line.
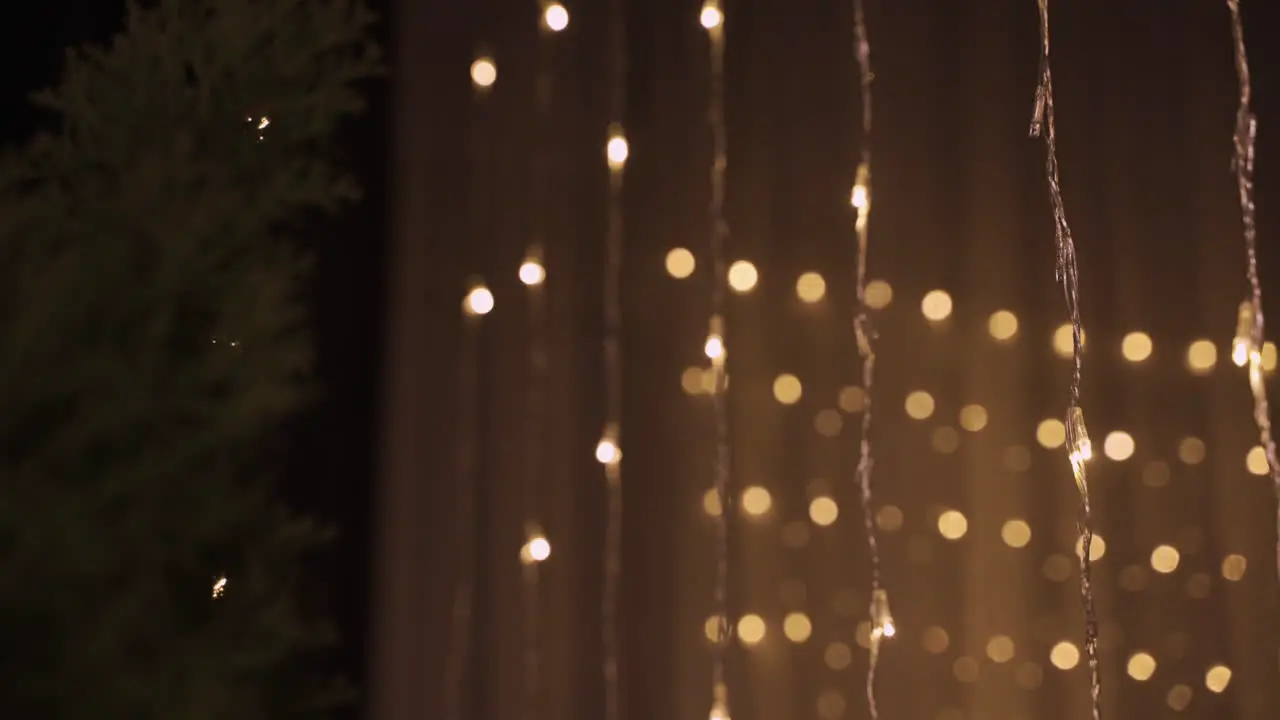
(1081, 450)
(556, 17)
(711, 17)
(607, 450)
(719, 704)
(881, 618)
(484, 72)
(861, 196)
(219, 586)
(479, 301)
(714, 347)
(617, 150)
(1242, 347)
(532, 272)
(536, 549)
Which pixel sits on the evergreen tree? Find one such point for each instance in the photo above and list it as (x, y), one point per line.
(152, 343)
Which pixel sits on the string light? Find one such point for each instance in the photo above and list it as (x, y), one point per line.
(881, 617)
(609, 451)
(1250, 322)
(219, 587)
(484, 73)
(712, 19)
(1079, 449)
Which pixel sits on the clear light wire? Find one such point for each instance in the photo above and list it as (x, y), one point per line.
(879, 614)
(713, 21)
(616, 156)
(1250, 332)
(1079, 448)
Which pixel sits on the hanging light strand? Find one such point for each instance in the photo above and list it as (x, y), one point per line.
(616, 153)
(1250, 322)
(712, 19)
(1079, 449)
(879, 614)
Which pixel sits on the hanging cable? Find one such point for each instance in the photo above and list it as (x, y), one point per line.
(880, 617)
(1079, 449)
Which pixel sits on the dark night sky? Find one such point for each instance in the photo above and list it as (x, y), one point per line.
(1146, 104)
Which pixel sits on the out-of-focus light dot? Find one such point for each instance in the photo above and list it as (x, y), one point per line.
(831, 705)
(1016, 533)
(691, 380)
(484, 72)
(852, 399)
(919, 404)
(556, 17)
(945, 439)
(879, 294)
(710, 17)
(479, 301)
(823, 511)
(1051, 433)
(532, 272)
(1057, 568)
(952, 525)
(743, 276)
(1029, 675)
(973, 417)
(1256, 461)
(1017, 458)
(889, 518)
(811, 287)
(796, 627)
(1155, 474)
(1136, 347)
(1064, 342)
(1179, 697)
(1191, 450)
(1268, 356)
(935, 640)
(756, 500)
(1164, 559)
(1000, 648)
(1097, 548)
(1141, 666)
(751, 629)
(1065, 655)
(607, 452)
(711, 503)
(795, 535)
(936, 305)
(536, 550)
(711, 628)
(1217, 679)
(787, 389)
(1002, 325)
(1201, 357)
(965, 669)
(616, 151)
(1118, 445)
(680, 263)
(828, 423)
(1233, 567)
(837, 656)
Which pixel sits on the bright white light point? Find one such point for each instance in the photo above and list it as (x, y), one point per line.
(556, 17)
(479, 301)
(859, 197)
(711, 16)
(714, 347)
(219, 586)
(532, 272)
(607, 452)
(617, 151)
(539, 548)
(484, 72)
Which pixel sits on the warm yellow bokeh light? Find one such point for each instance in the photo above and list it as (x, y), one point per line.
(1065, 655)
(1136, 346)
(532, 273)
(1051, 433)
(1178, 697)
(823, 511)
(945, 439)
(1097, 548)
(936, 305)
(1217, 679)
(756, 500)
(556, 17)
(680, 263)
(1233, 567)
(811, 287)
(608, 452)
(751, 629)
(1141, 666)
(952, 524)
(973, 417)
(889, 518)
(711, 502)
(1268, 356)
(1164, 559)
(1002, 325)
(935, 640)
(1191, 450)
(837, 656)
(919, 404)
(1064, 342)
(484, 72)
(1118, 445)
(965, 669)
(828, 423)
(852, 399)
(1201, 357)
(710, 17)
(535, 550)
(787, 389)
(1000, 648)
(617, 151)
(1016, 533)
(1256, 461)
(479, 301)
(743, 276)
(797, 627)
(711, 628)
(879, 294)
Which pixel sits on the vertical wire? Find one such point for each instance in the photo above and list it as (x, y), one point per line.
(719, 278)
(881, 623)
(613, 362)
(1246, 131)
(1066, 272)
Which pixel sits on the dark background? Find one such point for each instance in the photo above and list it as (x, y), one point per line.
(1146, 98)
